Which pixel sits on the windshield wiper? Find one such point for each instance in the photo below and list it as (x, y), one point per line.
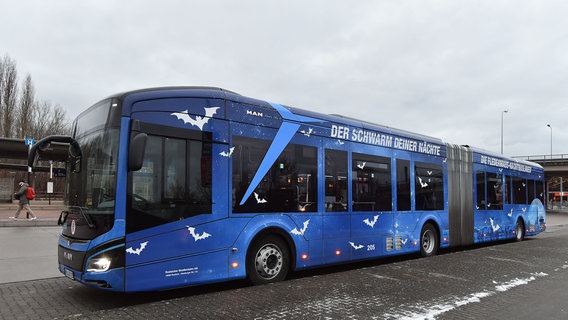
(85, 215)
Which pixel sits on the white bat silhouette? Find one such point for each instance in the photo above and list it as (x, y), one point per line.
(356, 247)
(524, 209)
(258, 199)
(362, 166)
(404, 241)
(227, 154)
(422, 184)
(301, 231)
(510, 214)
(199, 121)
(493, 226)
(307, 133)
(197, 236)
(371, 223)
(340, 142)
(429, 172)
(138, 250)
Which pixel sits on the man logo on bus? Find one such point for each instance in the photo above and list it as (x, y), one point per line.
(199, 121)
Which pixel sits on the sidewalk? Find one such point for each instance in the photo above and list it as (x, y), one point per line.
(47, 214)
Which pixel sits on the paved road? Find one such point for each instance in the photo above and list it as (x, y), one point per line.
(510, 280)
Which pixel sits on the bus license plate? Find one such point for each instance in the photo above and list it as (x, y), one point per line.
(69, 274)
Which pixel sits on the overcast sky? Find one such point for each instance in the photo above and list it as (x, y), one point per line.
(447, 69)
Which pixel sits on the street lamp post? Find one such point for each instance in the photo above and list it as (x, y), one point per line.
(548, 125)
(502, 113)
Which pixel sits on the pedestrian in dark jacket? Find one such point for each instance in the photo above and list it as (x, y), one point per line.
(24, 203)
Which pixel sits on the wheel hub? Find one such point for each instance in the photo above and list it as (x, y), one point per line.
(269, 261)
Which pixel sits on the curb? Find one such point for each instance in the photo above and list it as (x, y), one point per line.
(27, 223)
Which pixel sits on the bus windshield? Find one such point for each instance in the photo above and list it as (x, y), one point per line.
(91, 181)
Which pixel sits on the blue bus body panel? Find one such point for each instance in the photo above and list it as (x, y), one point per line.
(214, 246)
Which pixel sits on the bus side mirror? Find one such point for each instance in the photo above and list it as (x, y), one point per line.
(136, 151)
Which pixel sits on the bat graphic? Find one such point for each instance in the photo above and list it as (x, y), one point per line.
(199, 121)
(371, 223)
(422, 184)
(445, 160)
(404, 241)
(493, 226)
(362, 166)
(301, 232)
(307, 133)
(340, 142)
(197, 236)
(510, 214)
(228, 155)
(429, 172)
(524, 209)
(356, 247)
(138, 250)
(258, 199)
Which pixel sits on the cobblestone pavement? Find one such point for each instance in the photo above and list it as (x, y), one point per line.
(511, 280)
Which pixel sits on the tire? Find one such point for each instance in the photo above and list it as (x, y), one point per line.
(519, 231)
(268, 260)
(429, 242)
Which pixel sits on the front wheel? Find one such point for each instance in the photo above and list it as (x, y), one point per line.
(428, 240)
(268, 261)
(520, 230)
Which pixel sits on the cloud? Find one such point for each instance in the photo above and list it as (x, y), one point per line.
(440, 68)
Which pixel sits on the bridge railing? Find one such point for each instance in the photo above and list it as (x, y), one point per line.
(544, 157)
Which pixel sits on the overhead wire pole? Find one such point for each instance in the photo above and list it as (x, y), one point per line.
(502, 113)
(548, 125)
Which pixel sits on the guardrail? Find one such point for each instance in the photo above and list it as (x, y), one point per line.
(544, 157)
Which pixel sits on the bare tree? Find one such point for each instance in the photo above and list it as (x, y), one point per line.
(41, 119)
(9, 94)
(58, 123)
(49, 120)
(28, 117)
(26, 110)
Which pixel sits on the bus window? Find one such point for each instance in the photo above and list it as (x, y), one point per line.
(507, 190)
(494, 188)
(335, 180)
(289, 186)
(402, 185)
(540, 190)
(481, 201)
(372, 186)
(429, 187)
(174, 183)
(519, 191)
(531, 190)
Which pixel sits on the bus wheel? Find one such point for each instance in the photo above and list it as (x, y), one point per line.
(428, 240)
(520, 230)
(268, 261)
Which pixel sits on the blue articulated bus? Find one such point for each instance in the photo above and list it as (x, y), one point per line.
(172, 187)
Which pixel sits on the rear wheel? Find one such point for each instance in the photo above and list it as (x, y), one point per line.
(520, 230)
(268, 260)
(428, 240)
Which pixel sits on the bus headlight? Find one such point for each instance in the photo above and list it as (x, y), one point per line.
(101, 264)
(103, 260)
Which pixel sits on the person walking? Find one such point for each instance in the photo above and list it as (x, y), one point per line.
(24, 203)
